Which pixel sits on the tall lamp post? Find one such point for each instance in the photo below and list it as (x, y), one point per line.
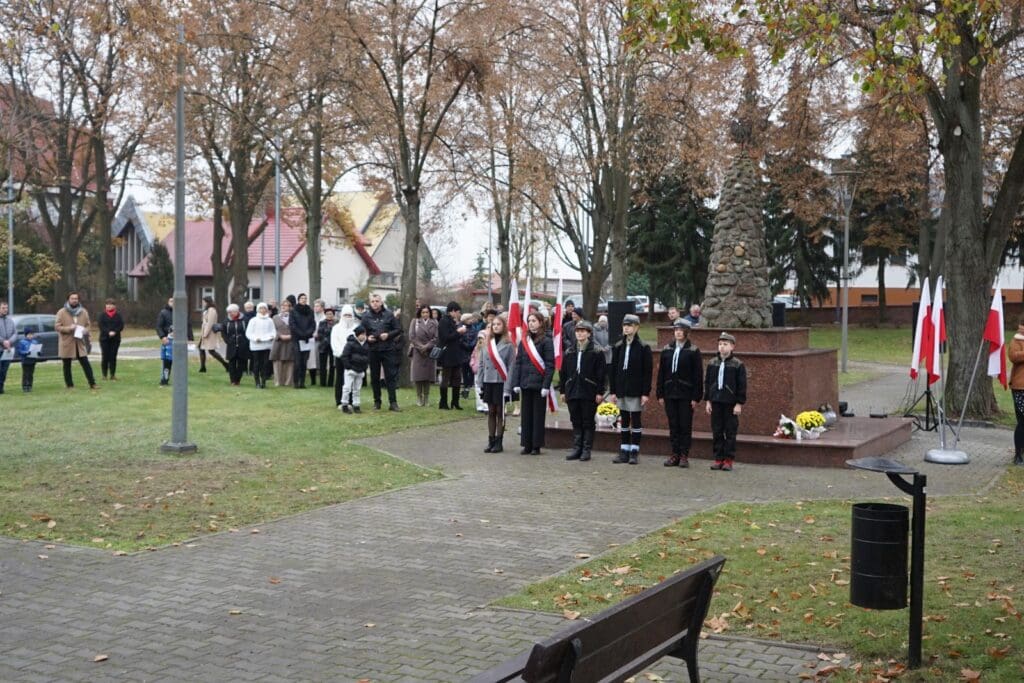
(10, 231)
(847, 190)
(179, 442)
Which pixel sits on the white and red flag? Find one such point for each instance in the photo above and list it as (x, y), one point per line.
(938, 332)
(524, 327)
(515, 314)
(556, 326)
(922, 332)
(996, 338)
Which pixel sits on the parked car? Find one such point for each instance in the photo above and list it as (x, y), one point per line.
(788, 300)
(46, 332)
(642, 302)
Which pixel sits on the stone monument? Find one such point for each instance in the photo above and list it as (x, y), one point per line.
(737, 293)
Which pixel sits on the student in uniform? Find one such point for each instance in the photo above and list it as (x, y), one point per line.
(680, 389)
(629, 384)
(582, 388)
(725, 386)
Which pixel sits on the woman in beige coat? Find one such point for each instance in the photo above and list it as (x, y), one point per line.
(210, 339)
(282, 352)
(72, 326)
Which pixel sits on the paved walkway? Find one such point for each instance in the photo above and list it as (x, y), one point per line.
(397, 586)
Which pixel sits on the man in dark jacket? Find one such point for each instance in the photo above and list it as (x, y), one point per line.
(582, 388)
(449, 334)
(629, 385)
(384, 334)
(725, 387)
(680, 389)
(303, 327)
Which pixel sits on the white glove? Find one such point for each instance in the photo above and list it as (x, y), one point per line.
(516, 389)
(544, 393)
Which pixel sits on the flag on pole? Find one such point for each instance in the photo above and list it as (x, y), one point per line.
(938, 331)
(556, 326)
(515, 314)
(922, 338)
(524, 325)
(996, 339)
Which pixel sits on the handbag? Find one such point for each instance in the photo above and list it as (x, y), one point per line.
(437, 352)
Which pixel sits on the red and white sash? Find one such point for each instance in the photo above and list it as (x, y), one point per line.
(534, 355)
(496, 361)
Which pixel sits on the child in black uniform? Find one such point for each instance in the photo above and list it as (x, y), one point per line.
(629, 380)
(725, 386)
(680, 389)
(582, 387)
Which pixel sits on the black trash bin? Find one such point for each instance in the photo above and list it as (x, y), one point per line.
(878, 555)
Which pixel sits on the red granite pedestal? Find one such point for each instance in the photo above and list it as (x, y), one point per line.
(784, 377)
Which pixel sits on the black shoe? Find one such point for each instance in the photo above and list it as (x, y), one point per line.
(577, 446)
(633, 457)
(355, 409)
(346, 408)
(684, 461)
(394, 408)
(498, 447)
(490, 445)
(1018, 459)
(672, 461)
(525, 451)
(443, 403)
(202, 369)
(535, 451)
(376, 405)
(622, 458)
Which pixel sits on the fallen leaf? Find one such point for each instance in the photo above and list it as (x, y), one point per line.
(653, 677)
(43, 557)
(761, 551)
(370, 625)
(582, 556)
(570, 615)
(97, 540)
(499, 571)
(620, 570)
(274, 580)
(234, 612)
(970, 676)
(52, 523)
(99, 658)
(997, 653)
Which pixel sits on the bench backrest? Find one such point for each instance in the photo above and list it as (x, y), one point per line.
(625, 639)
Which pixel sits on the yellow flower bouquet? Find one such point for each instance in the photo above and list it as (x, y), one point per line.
(607, 415)
(810, 419)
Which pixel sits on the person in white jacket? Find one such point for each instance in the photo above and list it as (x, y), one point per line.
(261, 333)
(347, 322)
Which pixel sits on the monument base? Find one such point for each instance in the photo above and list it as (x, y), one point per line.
(854, 437)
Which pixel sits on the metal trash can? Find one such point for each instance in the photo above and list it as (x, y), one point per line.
(878, 555)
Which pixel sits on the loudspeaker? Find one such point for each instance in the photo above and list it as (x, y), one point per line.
(617, 310)
(778, 314)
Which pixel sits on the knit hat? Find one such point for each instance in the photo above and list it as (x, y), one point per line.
(725, 336)
(602, 319)
(630, 319)
(453, 306)
(359, 330)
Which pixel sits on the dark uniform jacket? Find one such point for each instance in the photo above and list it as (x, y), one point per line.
(449, 338)
(378, 322)
(524, 375)
(165, 323)
(687, 382)
(635, 381)
(734, 386)
(235, 339)
(589, 382)
(356, 356)
(302, 323)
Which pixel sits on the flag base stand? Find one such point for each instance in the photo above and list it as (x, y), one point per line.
(931, 412)
(947, 456)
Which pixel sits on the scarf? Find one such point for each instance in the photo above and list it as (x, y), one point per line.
(73, 311)
(675, 359)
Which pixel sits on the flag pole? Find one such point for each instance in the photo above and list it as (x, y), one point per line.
(970, 387)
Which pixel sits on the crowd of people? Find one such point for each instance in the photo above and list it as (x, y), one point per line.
(298, 344)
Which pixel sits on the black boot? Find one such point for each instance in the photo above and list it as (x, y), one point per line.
(497, 447)
(623, 456)
(312, 378)
(1018, 459)
(455, 399)
(588, 444)
(443, 405)
(577, 445)
(490, 445)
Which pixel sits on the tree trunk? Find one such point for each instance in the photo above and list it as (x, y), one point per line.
(882, 317)
(105, 281)
(220, 273)
(413, 236)
(314, 212)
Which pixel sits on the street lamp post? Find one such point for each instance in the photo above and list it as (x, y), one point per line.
(179, 442)
(10, 231)
(847, 191)
(277, 219)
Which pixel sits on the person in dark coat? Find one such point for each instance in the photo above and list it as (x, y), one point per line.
(629, 380)
(237, 352)
(111, 326)
(531, 379)
(680, 389)
(355, 359)
(303, 327)
(325, 359)
(449, 336)
(725, 387)
(582, 381)
(384, 334)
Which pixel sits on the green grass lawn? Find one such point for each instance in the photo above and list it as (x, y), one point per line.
(86, 468)
(788, 571)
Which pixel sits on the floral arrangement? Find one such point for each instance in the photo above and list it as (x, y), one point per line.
(787, 428)
(809, 419)
(607, 409)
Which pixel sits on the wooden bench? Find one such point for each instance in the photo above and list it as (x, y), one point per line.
(623, 640)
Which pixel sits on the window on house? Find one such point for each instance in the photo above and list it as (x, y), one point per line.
(203, 293)
(869, 299)
(386, 279)
(342, 295)
(253, 294)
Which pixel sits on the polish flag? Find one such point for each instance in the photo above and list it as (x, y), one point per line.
(515, 314)
(556, 326)
(938, 332)
(994, 335)
(922, 333)
(524, 330)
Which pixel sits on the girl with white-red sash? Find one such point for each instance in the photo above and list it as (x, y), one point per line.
(494, 379)
(531, 379)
